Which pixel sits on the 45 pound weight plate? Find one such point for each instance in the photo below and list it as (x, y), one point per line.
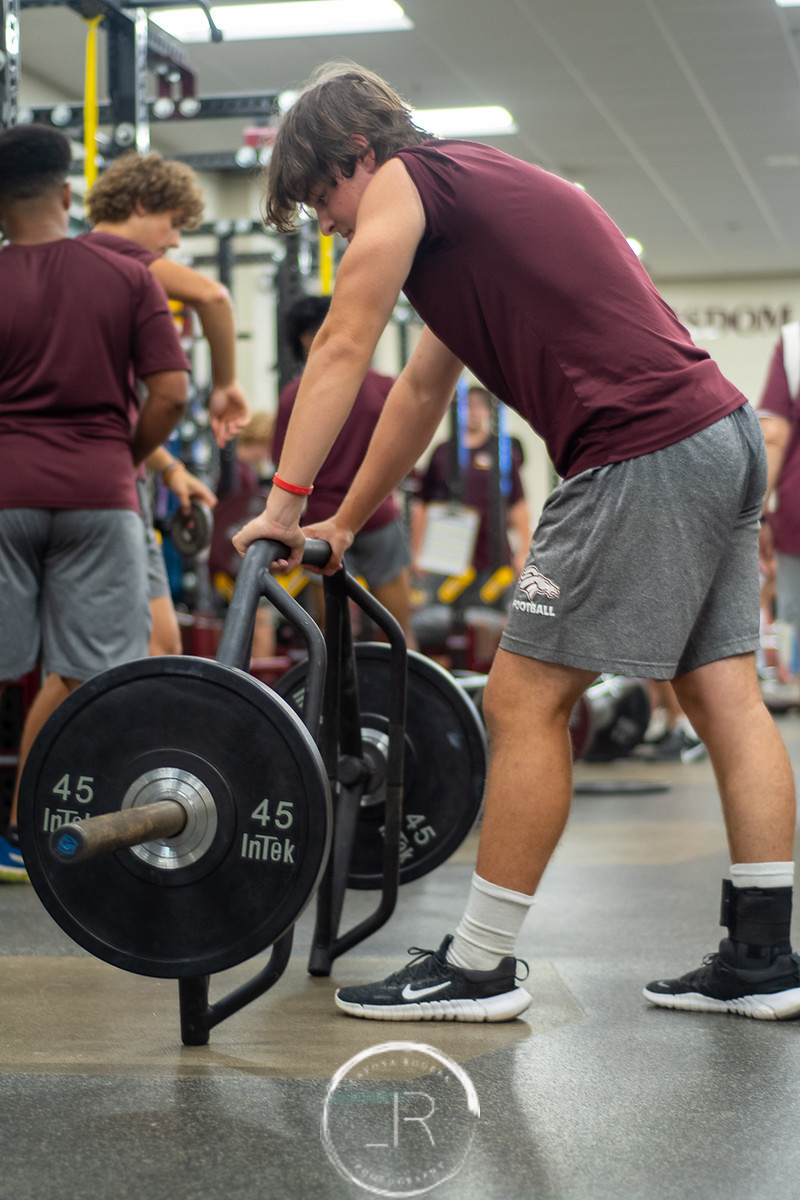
(444, 769)
(258, 824)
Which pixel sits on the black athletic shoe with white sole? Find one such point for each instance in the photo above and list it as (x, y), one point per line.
(432, 989)
(770, 993)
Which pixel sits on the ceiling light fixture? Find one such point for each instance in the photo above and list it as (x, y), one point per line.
(782, 160)
(487, 121)
(285, 19)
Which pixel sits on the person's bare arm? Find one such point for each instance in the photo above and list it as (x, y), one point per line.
(179, 479)
(160, 460)
(166, 400)
(211, 301)
(390, 225)
(776, 431)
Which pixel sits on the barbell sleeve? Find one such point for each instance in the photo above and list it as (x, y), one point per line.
(78, 841)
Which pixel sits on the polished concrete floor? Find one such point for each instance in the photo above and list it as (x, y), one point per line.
(592, 1095)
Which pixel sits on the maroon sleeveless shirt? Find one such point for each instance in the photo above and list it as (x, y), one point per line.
(531, 284)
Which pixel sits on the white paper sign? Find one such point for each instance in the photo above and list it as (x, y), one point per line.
(448, 543)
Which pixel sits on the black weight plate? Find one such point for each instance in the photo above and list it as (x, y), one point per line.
(269, 788)
(191, 532)
(444, 769)
(626, 727)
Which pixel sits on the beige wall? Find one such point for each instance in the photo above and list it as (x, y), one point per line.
(737, 321)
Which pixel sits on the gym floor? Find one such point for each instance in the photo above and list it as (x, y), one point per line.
(591, 1095)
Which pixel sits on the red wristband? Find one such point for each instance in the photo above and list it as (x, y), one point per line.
(294, 488)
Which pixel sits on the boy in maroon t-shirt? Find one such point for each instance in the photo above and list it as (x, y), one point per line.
(77, 325)
(645, 559)
(138, 206)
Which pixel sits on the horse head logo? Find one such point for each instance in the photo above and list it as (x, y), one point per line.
(533, 583)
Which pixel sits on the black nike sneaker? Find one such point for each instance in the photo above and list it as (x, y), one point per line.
(432, 989)
(769, 993)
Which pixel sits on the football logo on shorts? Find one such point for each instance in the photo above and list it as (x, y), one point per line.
(533, 583)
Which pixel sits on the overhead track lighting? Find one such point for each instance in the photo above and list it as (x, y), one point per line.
(285, 19)
(483, 121)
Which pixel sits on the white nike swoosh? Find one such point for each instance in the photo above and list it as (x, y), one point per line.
(409, 993)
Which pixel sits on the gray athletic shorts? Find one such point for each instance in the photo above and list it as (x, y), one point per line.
(157, 581)
(73, 591)
(787, 580)
(649, 566)
(379, 555)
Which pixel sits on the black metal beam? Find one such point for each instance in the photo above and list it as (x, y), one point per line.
(160, 44)
(241, 227)
(215, 160)
(244, 104)
(126, 48)
(259, 105)
(9, 61)
(241, 260)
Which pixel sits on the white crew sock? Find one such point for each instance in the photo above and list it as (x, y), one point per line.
(762, 875)
(490, 925)
(686, 725)
(657, 726)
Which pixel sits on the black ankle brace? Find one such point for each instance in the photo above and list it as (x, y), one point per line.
(757, 918)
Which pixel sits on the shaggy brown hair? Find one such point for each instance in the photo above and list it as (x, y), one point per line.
(160, 185)
(315, 141)
(258, 429)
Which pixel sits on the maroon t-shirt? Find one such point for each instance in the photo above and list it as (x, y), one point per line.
(120, 245)
(778, 401)
(476, 478)
(347, 453)
(525, 278)
(131, 249)
(77, 322)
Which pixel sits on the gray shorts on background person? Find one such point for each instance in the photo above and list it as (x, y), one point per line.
(649, 566)
(379, 555)
(74, 591)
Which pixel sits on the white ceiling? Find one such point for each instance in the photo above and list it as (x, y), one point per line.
(681, 117)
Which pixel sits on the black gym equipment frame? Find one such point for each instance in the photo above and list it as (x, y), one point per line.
(259, 105)
(134, 45)
(339, 737)
(175, 723)
(9, 61)
(340, 760)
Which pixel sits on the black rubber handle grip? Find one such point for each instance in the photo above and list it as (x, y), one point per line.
(316, 553)
(81, 840)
